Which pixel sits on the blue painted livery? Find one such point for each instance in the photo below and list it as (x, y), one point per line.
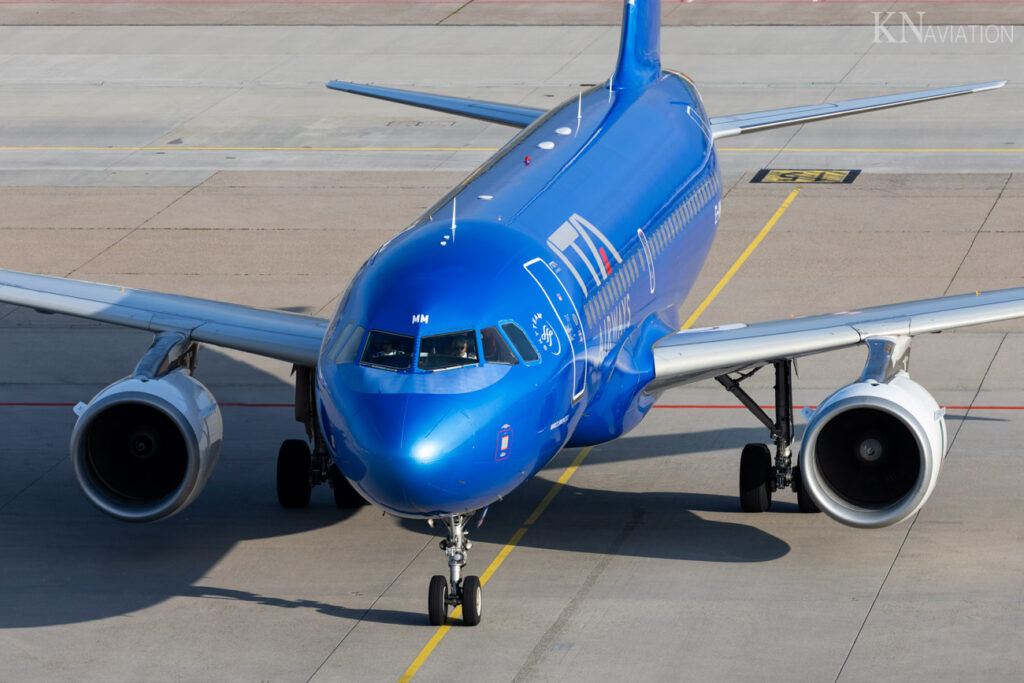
(586, 232)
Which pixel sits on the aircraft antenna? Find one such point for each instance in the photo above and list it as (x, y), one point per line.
(453, 219)
(579, 111)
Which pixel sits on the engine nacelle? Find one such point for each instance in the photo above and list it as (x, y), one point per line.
(872, 452)
(143, 449)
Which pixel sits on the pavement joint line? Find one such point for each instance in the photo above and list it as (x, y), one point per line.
(743, 257)
(493, 566)
(544, 645)
(453, 12)
(913, 522)
(984, 222)
(358, 621)
(134, 230)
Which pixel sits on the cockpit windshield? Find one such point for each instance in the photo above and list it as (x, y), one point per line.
(445, 351)
(388, 350)
(395, 352)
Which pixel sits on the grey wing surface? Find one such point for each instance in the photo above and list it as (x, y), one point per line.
(692, 355)
(275, 334)
(737, 124)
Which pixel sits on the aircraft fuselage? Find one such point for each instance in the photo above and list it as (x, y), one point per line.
(560, 262)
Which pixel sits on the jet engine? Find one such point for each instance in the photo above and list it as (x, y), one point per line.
(143, 448)
(872, 451)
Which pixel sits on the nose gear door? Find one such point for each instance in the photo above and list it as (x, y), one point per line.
(568, 317)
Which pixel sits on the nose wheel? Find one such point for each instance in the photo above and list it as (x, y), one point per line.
(444, 594)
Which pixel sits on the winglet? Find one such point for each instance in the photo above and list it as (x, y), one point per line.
(639, 49)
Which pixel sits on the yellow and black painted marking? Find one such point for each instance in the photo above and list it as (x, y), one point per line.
(805, 175)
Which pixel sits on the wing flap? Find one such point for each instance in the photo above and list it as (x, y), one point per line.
(275, 334)
(692, 355)
(738, 124)
(492, 112)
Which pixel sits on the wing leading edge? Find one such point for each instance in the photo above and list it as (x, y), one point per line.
(493, 112)
(737, 124)
(275, 334)
(691, 355)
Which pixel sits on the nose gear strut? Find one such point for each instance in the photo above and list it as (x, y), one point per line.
(456, 590)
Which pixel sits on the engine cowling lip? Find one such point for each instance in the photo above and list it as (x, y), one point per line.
(135, 512)
(848, 513)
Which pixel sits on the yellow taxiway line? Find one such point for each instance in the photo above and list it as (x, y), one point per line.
(743, 257)
(493, 566)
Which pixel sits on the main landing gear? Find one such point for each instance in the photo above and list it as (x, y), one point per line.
(444, 593)
(300, 468)
(759, 478)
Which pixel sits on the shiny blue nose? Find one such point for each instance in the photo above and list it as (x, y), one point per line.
(415, 455)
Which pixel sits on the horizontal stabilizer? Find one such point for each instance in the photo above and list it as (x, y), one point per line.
(737, 124)
(493, 112)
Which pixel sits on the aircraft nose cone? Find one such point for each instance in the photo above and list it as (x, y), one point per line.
(411, 456)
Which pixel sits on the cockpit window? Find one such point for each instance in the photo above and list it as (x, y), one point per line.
(387, 350)
(445, 351)
(519, 340)
(496, 349)
(346, 344)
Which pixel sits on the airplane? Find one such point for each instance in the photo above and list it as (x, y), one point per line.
(534, 307)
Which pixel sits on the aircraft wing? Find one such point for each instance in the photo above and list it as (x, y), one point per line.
(737, 124)
(276, 334)
(493, 112)
(691, 355)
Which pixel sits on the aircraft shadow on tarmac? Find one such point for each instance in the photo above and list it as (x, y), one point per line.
(656, 524)
(64, 562)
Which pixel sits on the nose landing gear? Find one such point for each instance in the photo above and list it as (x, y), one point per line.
(444, 594)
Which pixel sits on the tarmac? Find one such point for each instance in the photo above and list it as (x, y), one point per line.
(192, 148)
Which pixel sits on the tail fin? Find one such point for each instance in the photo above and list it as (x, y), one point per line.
(639, 49)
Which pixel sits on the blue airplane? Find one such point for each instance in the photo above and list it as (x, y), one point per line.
(534, 307)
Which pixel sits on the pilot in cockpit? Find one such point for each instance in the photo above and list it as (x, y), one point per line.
(386, 349)
(460, 347)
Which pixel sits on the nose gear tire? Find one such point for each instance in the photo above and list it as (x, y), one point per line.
(472, 601)
(437, 600)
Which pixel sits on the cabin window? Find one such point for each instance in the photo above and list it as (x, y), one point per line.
(519, 340)
(388, 351)
(496, 349)
(446, 351)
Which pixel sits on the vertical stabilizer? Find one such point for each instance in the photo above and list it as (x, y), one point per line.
(639, 48)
